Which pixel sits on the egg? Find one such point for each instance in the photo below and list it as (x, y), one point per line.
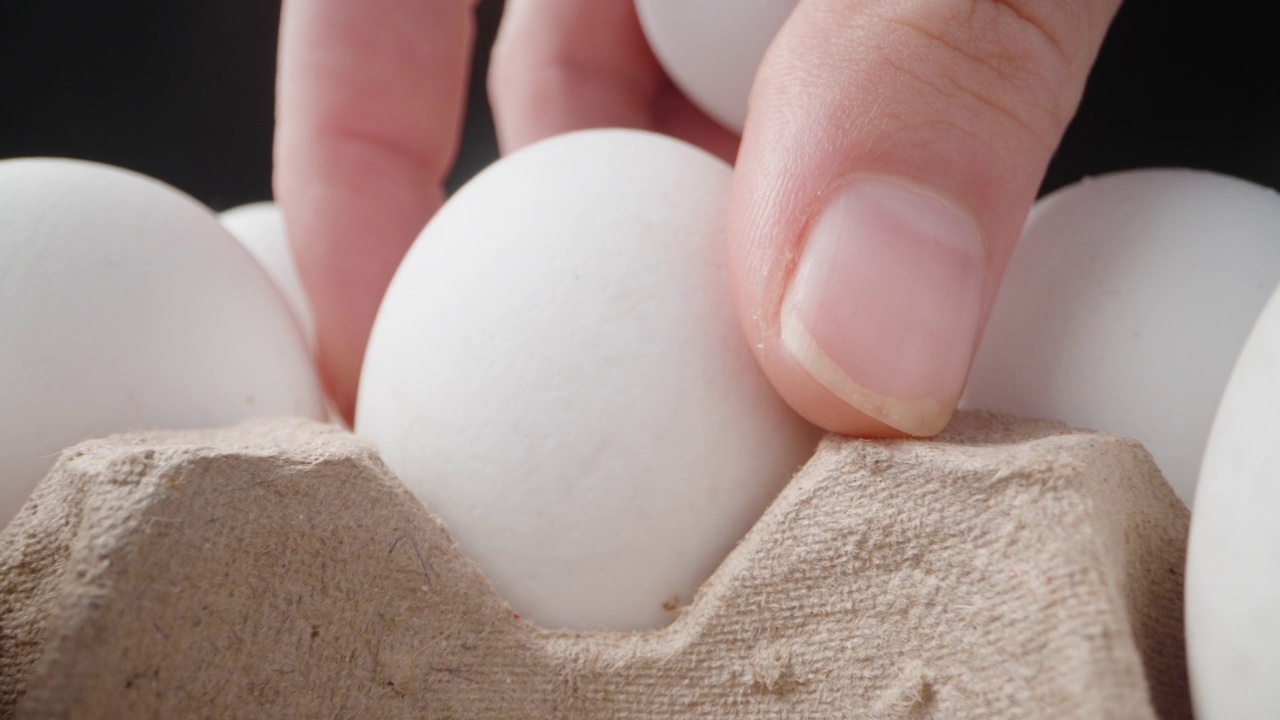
(260, 226)
(557, 371)
(1233, 558)
(1124, 307)
(125, 305)
(711, 48)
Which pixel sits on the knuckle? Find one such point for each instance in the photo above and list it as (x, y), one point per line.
(1018, 62)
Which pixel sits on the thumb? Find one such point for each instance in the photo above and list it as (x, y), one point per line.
(891, 153)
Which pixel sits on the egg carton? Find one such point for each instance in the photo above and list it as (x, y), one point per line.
(1006, 569)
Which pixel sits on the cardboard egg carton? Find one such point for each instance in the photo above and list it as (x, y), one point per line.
(1008, 569)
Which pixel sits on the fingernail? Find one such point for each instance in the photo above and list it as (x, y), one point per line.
(883, 308)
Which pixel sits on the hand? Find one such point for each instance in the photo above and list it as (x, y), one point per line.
(891, 152)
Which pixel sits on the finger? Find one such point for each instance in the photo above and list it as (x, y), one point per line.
(891, 153)
(562, 65)
(369, 107)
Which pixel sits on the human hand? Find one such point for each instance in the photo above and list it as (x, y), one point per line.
(890, 155)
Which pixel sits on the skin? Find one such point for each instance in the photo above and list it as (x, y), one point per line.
(967, 99)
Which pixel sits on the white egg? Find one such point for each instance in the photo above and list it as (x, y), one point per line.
(260, 226)
(1233, 561)
(557, 371)
(125, 305)
(1125, 305)
(712, 48)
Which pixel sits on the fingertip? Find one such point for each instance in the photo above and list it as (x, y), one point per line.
(890, 156)
(337, 367)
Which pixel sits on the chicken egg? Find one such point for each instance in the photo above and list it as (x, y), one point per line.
(1233, 556)
(124, 305)
(558, 372)
(260, 226)
(711, 48)
(1125, 305)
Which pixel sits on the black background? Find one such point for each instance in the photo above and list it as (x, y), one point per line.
(182, 90)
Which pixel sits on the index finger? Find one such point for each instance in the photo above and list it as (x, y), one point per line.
(370, 101)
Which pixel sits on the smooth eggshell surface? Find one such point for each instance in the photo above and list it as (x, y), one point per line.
(260, 226)
(712, 48)
(557, 371)
(1125, 305)
(124, 305)
(1233, 560)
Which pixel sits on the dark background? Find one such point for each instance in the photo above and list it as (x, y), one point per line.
(182, 90)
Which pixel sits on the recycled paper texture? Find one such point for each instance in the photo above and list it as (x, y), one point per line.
(1007, 569)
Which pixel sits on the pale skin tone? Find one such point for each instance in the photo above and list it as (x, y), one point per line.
(964, 100)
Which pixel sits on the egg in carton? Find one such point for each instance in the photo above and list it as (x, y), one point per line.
(620, 538)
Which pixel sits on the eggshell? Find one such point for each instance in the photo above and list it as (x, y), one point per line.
(260, 226)
(557, 371)
(712, 48)
(124, 305)
(1125, 305)
(1233, 559)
